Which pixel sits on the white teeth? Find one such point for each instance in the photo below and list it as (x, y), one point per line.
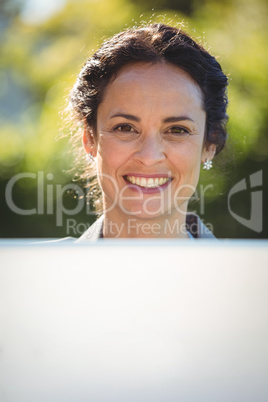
(148, 182)
(143, 182)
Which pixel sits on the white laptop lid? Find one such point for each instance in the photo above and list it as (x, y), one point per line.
(134, 321)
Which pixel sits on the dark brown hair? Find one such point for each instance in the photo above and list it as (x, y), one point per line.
(153, 43)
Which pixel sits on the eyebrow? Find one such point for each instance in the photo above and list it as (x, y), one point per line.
(172, 119)
(177, 118)
(126, 116)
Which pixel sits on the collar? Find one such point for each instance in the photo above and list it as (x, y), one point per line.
(194, 225)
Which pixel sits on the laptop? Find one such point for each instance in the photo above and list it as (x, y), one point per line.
(134, 321)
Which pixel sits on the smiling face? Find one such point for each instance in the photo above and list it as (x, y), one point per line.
(149, 142)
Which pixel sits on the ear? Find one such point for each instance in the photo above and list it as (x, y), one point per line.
(208, 152)
(89, 141)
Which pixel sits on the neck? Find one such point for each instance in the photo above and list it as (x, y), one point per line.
(131, 226)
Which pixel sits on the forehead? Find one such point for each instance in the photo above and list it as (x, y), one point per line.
(153, 70)
(160, 84)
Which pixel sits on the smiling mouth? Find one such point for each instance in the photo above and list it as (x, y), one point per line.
(148, 182)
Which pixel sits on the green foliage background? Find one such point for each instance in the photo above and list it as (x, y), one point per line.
(39, 62)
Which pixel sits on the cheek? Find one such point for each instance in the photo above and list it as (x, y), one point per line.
(110, 162)
(113, 154)
(187, 166)
(187, 157)
(106, 155)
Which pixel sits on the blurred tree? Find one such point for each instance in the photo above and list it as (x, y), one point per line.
(236, 30)
(9, 9)
(184, 6)
(38, 66)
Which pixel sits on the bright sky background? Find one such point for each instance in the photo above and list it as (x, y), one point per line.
(36, 11)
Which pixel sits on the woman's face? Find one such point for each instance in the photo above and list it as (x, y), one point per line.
(150, 133)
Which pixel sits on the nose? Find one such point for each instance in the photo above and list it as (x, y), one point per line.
(150, 152)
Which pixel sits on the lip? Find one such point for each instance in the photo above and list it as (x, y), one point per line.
(153, 175)
(147, 190)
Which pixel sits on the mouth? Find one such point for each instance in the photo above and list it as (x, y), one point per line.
(148, 182)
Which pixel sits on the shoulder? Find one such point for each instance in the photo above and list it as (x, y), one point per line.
(197, 228)
(94, 232)
(51, 242)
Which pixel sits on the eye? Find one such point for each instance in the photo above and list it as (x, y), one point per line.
(178, 130)
(124, 128)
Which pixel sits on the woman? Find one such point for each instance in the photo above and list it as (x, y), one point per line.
(153, 107)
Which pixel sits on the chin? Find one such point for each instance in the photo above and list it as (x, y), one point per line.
(149, 210)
